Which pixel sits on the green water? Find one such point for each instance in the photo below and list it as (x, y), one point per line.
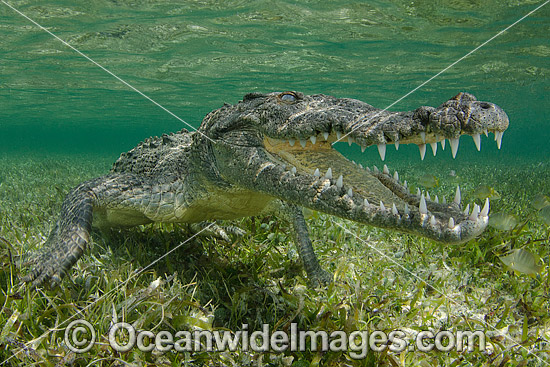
(192, 56)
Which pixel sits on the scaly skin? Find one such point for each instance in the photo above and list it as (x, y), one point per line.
(272, 153)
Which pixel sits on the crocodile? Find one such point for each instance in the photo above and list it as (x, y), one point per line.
(274, 153)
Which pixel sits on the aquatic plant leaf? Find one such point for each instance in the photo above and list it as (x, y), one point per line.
(522, 261)
(540, 201)
(544, 214)
(502, 221)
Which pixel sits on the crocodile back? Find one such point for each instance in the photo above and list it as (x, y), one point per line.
(155, 154)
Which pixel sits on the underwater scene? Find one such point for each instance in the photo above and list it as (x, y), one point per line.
(405, 143)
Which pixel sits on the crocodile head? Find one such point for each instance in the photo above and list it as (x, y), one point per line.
(281, 144)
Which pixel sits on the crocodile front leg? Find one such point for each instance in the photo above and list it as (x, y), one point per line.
(71, 234)
(294, 214)
(315, 273)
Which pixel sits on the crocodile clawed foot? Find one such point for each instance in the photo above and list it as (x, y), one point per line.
(45, 270)
(215, 230)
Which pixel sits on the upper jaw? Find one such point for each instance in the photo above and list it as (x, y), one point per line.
(353, 121)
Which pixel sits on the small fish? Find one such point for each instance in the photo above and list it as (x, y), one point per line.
(428, 181)
(540, 201)
(502, 221)
(544, 214)
(452, 173)
(522, 261)
(483, 192)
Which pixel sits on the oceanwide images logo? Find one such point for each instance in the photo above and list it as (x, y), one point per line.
(123, 337)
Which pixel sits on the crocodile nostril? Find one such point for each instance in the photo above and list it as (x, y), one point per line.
(485, 105)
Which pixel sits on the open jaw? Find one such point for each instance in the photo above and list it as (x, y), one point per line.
(328, 182)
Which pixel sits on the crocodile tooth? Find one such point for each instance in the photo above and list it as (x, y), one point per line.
(317, 173)
(353, 162)
(376, 169)
(360, 166)
(396, 143)
(422, 148)
(350, 192)
(454, 145)
(363, 147)
(325, 135)
(436, 200)
(367, 169)
(477, 141)
(394, 210)
(406, 185)
(443, 200)
(329, 173)
(327, 184)
(451, 224)
(303, 143)
(382, 151)
(457, 196)
(428, 195)
(423, 137)
(338, 135)
(293, 170)
(418, 191)
(313, 139)
(340, 182)
(485, 210)
(434, 148)
(498, 138)
(443, 144)
(291, 142)
(432, 221)
(365, 202)
(467, 209)
(382, 207)
(350, 140)
(386, 170)
(423, 208)
(406, 211)
(396, 176)
(475, 212)
(486, 133)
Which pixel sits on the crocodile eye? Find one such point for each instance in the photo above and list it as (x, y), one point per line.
(288, 97)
